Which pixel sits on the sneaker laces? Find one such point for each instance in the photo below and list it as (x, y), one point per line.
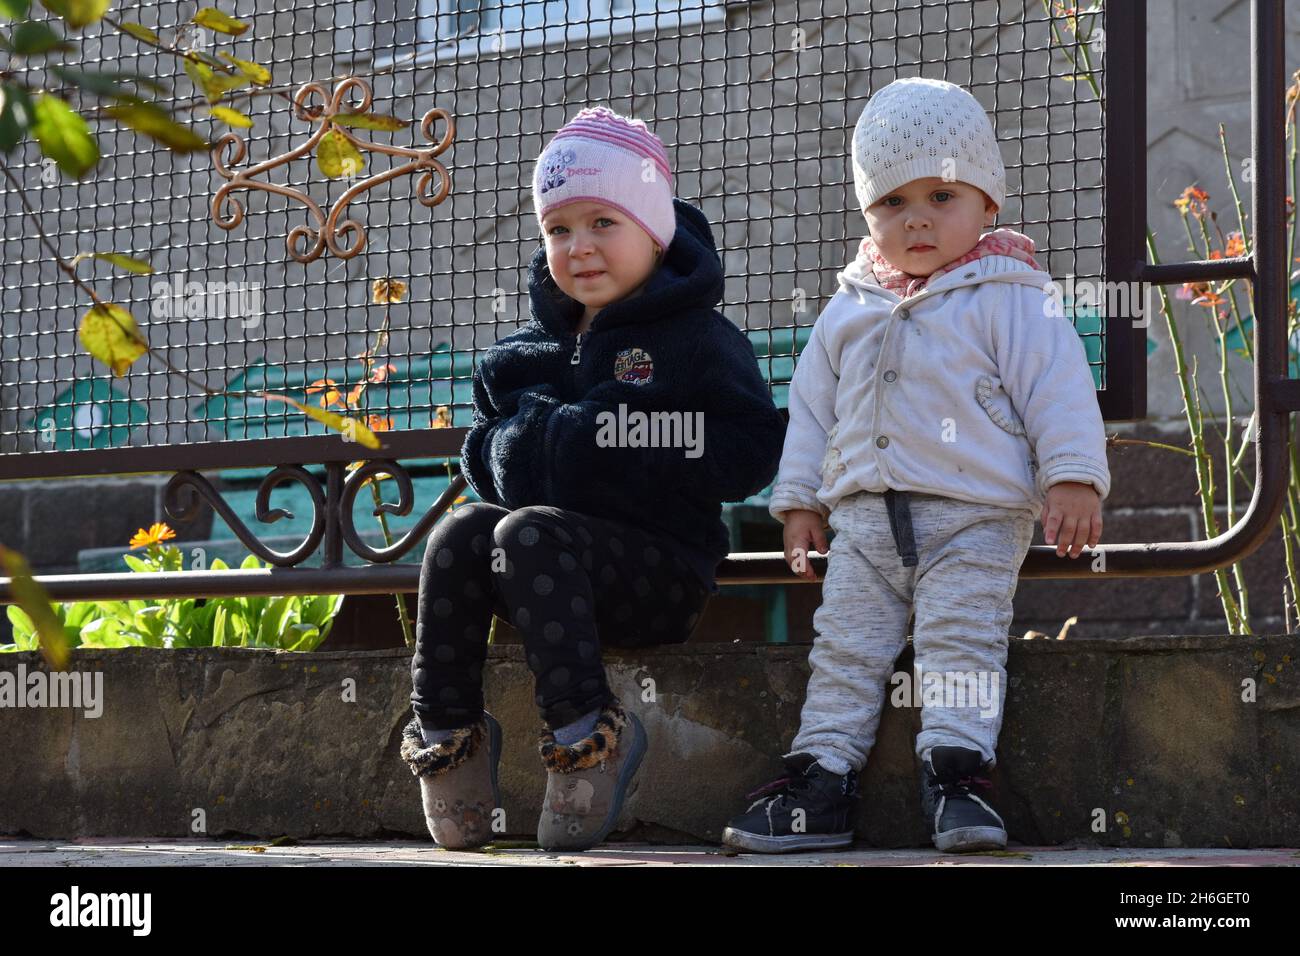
(962, 786)
(785, 786)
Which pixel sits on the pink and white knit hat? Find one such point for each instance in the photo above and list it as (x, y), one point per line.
(602, 156)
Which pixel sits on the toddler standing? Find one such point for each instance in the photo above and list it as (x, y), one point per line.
(942, 405)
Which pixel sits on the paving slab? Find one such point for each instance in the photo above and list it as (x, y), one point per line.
(93, 852)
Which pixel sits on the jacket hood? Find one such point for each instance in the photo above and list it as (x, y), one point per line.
(690, 276)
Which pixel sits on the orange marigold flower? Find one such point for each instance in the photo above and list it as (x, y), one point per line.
(1236, 245)
(1192, 200)
(327, 385)
(157, 533)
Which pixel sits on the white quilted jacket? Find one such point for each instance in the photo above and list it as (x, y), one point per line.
(976, 387)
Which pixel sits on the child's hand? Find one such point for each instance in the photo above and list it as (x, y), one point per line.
(803, 531)
(1073, 509)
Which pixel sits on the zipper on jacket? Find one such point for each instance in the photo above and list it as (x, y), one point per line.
(547, 490)
(574, 360)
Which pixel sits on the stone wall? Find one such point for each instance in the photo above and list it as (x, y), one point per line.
(1144, 741)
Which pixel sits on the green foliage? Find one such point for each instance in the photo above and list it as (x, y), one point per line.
(29, 109)
(289, 623)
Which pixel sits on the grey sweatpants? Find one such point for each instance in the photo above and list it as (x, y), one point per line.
(966, 566)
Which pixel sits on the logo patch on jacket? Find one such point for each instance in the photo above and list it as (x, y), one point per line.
(634, 366)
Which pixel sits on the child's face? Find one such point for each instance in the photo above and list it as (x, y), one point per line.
(597, 254)
(928, 222)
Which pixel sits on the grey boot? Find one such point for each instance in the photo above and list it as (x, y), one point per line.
(587, 781)
(458, 781)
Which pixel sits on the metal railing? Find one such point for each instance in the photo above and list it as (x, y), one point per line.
(757, 103)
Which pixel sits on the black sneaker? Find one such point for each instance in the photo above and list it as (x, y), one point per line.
(960, 821)
(808, 809)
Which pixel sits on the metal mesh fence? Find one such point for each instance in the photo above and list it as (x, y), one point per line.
(756, 102)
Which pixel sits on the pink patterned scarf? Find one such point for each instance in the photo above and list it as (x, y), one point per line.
(998, 242)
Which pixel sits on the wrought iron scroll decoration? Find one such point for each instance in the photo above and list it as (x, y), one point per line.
(332, 503)
(329, 228)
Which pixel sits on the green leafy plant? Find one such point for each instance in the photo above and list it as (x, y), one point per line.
(1232, 322)
(287, 623)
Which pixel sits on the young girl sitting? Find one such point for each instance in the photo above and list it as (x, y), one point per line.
(607, 433)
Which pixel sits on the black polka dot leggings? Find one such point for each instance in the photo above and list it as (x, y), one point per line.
(567, 581)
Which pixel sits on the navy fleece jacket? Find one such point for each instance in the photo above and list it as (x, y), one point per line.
(534, 437)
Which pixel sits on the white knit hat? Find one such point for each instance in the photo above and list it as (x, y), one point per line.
(915, 128)
(605, 156)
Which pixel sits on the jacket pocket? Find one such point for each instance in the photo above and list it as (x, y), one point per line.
(997, 404)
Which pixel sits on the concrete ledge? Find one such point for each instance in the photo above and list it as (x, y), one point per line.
(184, 852)
(1149, 734)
